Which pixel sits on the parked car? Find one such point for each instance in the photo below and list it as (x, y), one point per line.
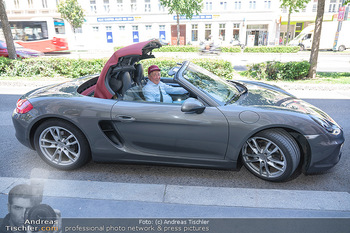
(20, 51)
(218, 124)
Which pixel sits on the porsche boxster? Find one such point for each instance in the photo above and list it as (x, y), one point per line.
(218, 123)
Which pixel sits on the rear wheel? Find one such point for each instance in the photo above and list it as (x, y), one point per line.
(341, 48)
(271, 155)
(61, 145)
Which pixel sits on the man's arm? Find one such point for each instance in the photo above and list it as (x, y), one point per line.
(174, 90)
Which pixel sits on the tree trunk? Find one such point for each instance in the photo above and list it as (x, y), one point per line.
(7, 31)
(178, 29)
(288, 27)
(316, 39)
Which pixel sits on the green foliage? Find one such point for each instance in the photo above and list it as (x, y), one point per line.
(52, 67)
(219, 67)
(71, 11)
(275, 70)
(231, 49)
(274, 49)
(294, 5)
(75, 68)
(183, 7)
(4, 62)
(177, 48)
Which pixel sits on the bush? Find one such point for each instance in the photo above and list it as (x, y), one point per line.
(221, 68)
(74, 68)
(232, 49)
(275, 70)
(275, 49)
(51, 67)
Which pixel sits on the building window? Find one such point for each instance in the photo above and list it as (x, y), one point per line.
(133, 5)
(95, 29)
(106, 5)
(108, 28)
(209, 6)
(207, 35)
(314, 7)
(238, 5)
(252, 4)
(147, 5)
(93, 8)
(121, 28)
(160, 7)
(135, 28)
(44, 2)
(236, 31)
(30, 3)
(16, 3)
(332, 6)
(148, 27)
(194, 32)
(119, 5)
(161, 27)
(78, 30)
(222, 31)
(267, 4)
(223, 5)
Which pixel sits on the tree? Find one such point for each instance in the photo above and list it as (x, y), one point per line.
(71, 11)
(7, 31)
(292, 6)
(182, 7)
(316, 40)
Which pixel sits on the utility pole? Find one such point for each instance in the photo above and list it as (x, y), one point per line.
(7, 31)
(340, 22)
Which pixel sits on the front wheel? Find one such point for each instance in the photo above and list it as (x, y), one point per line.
(61, 145)
(271, 155)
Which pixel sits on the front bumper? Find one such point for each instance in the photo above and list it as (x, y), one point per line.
(326, 151)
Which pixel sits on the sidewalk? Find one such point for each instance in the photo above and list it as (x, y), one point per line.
(94, 199)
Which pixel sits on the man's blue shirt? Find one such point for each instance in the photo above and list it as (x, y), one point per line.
(152, 93)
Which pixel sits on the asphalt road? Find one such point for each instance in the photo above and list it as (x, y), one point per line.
(18, 161)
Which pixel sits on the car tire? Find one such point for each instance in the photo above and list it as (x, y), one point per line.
(341, 48)
(61, 145)
(271, 155)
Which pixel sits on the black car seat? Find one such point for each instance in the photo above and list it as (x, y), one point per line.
(139, 78)
(115, 84)
(126, 80)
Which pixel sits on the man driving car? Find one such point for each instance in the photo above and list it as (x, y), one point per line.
(157, 91)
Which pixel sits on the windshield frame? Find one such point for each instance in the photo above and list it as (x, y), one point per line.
(210, 95)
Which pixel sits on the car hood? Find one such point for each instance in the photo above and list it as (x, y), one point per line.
(267, 96)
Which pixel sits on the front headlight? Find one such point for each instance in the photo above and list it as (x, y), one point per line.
(331, 126)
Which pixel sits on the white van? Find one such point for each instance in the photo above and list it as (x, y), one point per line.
(329, 29)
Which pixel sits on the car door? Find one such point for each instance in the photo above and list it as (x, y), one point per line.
(164, 130)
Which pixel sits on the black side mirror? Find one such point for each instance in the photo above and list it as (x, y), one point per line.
(192, 105)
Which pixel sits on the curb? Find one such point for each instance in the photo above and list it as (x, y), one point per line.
(190, 195)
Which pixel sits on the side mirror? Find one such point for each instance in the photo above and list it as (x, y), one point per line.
(192, 105)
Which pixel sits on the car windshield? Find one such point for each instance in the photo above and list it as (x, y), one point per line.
(209, 83)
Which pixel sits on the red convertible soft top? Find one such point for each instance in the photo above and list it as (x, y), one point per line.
(142, 49)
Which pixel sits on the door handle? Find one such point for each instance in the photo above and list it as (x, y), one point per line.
(125, 118)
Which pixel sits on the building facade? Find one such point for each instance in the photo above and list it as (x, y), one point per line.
(111, 23)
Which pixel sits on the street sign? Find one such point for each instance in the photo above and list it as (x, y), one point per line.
(341, 13)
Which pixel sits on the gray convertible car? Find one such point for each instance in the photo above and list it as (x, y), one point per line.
(217, 124)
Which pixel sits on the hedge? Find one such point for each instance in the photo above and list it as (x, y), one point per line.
(275, 70)
(74, 68)
(275, 49)
(229, 49)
